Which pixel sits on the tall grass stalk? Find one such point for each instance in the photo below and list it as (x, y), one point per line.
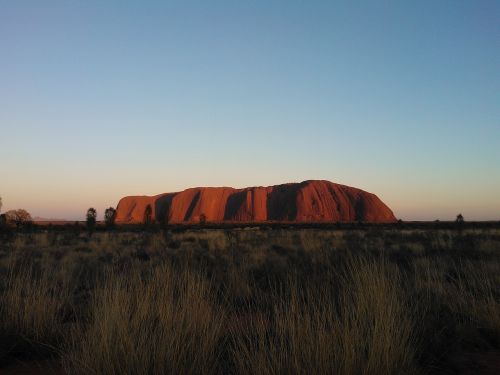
(363, 325)
(162, 323)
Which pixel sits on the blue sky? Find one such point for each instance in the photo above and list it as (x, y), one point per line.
(104, 99)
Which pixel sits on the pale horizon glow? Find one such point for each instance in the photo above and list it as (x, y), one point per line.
(103, 100)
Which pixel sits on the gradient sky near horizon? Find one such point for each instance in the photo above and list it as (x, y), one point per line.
(102, 99)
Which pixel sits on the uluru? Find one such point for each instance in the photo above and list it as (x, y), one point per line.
(307, 201)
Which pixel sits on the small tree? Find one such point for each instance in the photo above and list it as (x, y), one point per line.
(91, 218)
(2, 217)
(148, 213)
(203, 219)
(460, 222)
(109, 217)
(18, 217)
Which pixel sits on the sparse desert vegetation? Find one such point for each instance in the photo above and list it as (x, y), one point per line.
(253, 300)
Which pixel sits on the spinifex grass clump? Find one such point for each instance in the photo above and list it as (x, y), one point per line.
(362, 323)
(33, 306)
(164, 322)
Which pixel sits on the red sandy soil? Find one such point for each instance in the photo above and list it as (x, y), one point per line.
(487, 363)
(308, 201)
(469, 364)
(56, 222)
(42, 367)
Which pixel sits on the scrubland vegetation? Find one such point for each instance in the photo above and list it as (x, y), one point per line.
(252, 301)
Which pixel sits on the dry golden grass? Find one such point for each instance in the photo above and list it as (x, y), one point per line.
(470, 289)
(32, 309)
(251, 301)
(163, 323)
(363, 325)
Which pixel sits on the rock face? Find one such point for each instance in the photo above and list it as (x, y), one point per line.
(308, 201)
